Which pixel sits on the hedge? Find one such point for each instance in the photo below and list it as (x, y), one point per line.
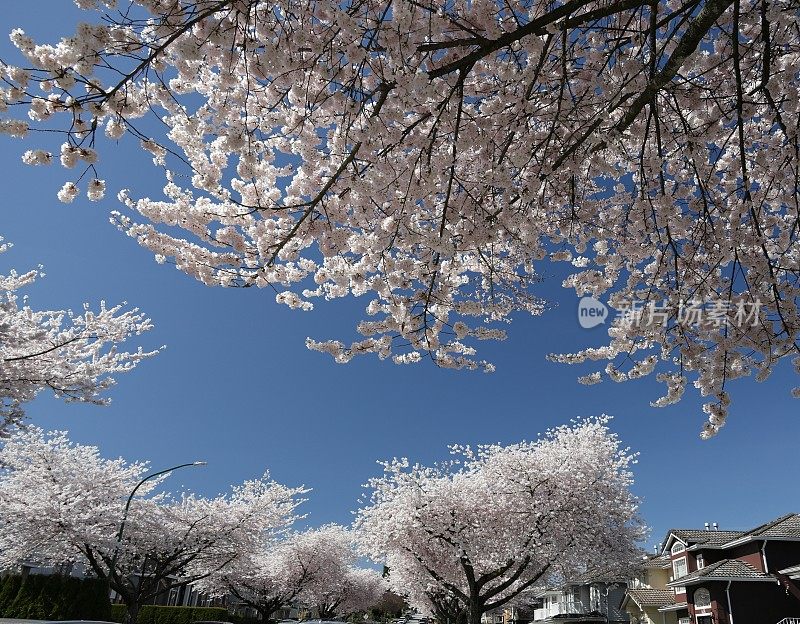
(155, 614)
(118, 612)
(53, 597)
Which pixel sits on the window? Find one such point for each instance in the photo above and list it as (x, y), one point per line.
(702, 598)
(677, 547)
(701, 562)
(685, 620)
(679, 567)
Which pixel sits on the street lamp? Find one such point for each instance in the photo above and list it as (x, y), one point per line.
(133, 493)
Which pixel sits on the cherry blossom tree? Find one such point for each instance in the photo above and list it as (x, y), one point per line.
(315, 568)
(61, 502)
(356, 590)
(429, 154)
(280, 572)
(468, 536)
(390, 606)
(266, 579)
(74, 355)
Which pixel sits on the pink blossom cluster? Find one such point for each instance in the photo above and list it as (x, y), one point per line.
(75, 355)
(429, 155)
(497, 522)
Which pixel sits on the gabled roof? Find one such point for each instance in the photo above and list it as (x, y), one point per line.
(785, 527)
(603, 576)
(707, 538)
(646, 597)
(725, 570)
(657, 561)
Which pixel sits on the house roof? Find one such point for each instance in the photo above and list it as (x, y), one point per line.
(725, 570)
(785, 527)
(793, 572)
(657, 561)
(701, 536)
(545, 591)
(603, 576)
(674, 607)
(646, 597)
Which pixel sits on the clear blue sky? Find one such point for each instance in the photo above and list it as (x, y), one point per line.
(236, 386)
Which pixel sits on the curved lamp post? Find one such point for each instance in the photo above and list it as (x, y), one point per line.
(133, 493)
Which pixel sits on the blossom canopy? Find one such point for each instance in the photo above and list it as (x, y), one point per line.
(430, 154)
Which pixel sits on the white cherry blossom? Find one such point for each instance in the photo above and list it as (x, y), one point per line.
(61, 502)
(74, 355)
(430, 155)
(468, 536)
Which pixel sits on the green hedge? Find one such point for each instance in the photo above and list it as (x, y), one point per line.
(53, 597)
(154, 614)
(118, 612)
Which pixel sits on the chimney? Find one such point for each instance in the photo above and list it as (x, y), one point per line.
(706, 526)
(716, 526)
(655, 549)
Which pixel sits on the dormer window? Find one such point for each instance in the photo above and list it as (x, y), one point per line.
(677, 547)
(679, 569)
(701, 562)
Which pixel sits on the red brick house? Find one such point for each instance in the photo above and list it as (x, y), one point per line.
(736, 577)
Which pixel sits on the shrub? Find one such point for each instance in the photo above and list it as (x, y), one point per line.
(53, 597)
(67, 606)
(118, 613)
(8, 592)
(156, 614)
(45, 599)
(153, 614)
(20, 605)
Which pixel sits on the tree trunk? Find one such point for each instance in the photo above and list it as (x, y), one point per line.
(133, 612)
(326, 612)
(474, 614)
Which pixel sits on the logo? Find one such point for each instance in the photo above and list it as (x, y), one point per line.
(591, 312)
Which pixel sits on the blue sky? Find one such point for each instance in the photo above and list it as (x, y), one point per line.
(237, 388)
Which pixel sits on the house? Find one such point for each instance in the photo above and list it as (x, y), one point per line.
(495, 616)
(518, 614)
(741, 577)
(588, 599)
(648, 600)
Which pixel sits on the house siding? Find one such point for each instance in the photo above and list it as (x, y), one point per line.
(781, 554)
(751, 603)
(749, 553)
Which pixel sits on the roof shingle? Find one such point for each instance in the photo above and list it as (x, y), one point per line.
(785, 526)
(646, 597)
(725, 569)
(657, 561)
(700, 536)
